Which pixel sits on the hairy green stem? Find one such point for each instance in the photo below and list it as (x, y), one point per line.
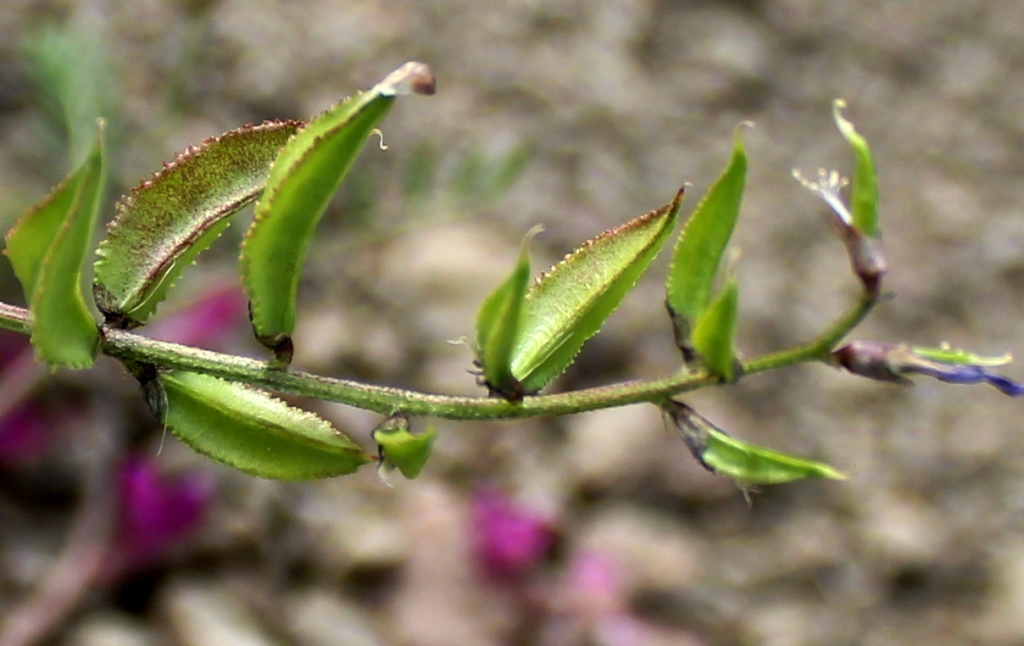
(128, 346)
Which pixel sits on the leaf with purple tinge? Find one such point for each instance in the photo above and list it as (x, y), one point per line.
(166, 221)
(570, 303)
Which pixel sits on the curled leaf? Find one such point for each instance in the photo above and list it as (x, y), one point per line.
(747, 463)
(400, 449)
(702, 242)
(497, 327)
(47, 248)
(254, 432)
(570, 303)
(169, 219)
(305, 175)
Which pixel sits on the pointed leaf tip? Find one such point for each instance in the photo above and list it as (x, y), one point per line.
(569, 304)
(864, 188)
(702, 243)
(497, 326)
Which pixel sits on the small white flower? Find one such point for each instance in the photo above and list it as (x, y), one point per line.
(827, 188)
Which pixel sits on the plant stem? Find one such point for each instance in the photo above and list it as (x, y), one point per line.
(124, 345)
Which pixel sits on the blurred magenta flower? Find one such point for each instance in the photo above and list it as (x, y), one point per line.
(25, 434)
(26, 427)
(157, 512)
(208, 321)
(894, 361)
(509, 540)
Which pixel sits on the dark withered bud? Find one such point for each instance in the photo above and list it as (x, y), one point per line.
(871, 359)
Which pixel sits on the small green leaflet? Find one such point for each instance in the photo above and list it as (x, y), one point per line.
(304, 176)
(497, 326)
(400, 449)
(702, 243)
(747, 463)
(714, 336)
(570, 303)
(47, 248)
(252, 431)
(864, 190)
(169, 219)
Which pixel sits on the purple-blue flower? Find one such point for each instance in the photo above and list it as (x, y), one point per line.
(895, 361)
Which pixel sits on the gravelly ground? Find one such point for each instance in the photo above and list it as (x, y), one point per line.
(618, 103)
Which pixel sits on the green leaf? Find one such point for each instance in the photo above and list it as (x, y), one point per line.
(497, 326)
(400, 449)
(254, 432)
(864, 190)
(569, 304)
(702, 243)
(169, 219)
(47, 248)
(753, 464)
(748, 463)
(714, 335)
(304, 176)
(946, 354)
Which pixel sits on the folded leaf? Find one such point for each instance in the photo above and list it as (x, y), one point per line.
(497, 327)
(169, 219)
(747, 463)
(702, 243)
(864, 190)
(304, 177)
(400, 449)
(569, 304)
(714, 336)
(254, 432)
(47, 248)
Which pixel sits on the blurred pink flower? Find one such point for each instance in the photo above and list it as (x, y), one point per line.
(208, 321)
(25, 435)
(157, 512)
(509, 540)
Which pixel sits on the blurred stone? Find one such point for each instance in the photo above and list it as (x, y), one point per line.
(319, 617)
(607, 446)
(109, 629)
(903, 530)
(351, 526)
(653, 551)
(441, 600)
(202, 613)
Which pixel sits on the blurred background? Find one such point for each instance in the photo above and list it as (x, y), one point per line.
(595, 529)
